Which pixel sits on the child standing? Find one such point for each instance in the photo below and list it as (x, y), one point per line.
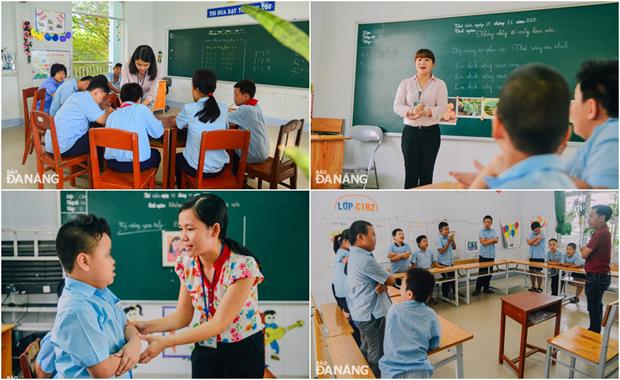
(367, 299)
(424, 259)
(536, 242)
(445, 247)
(488, 238)
(411, 329)
(574, 260)
(554, 257)
(339, 285)
(399, 252)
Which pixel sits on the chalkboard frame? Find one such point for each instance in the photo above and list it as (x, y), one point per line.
(168, 30)
(574, 140)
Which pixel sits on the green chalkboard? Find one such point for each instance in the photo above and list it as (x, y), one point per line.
(474, 54)
(235, 53)
(275, 225)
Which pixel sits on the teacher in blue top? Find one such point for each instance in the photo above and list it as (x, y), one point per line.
(420, 101)
(142, 69)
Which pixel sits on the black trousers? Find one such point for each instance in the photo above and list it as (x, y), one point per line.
(555, 281)
(82, 146)
(447, 286)
(183, 166)
(596, 285)
(244, 359)
(483, 282)
(127, 166)
(342, 302)
(420, 147)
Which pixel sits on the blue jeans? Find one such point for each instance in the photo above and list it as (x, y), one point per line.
(596, 285)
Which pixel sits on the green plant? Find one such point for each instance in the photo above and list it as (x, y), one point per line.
(286, 33)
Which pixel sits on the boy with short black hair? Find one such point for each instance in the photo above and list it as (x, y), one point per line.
(84, 345)
(249, 117)
(554, 257)
(574, 260)
(58, 73)
(133, 116)
(367, 299)
(411, 329)
(536, 241)
(399, 252)
(530, 126)
(424, 259)
(66, 89)
(445, 246)
(488, 238)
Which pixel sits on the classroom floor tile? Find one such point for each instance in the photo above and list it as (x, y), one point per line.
(13, 148)
(482, 318)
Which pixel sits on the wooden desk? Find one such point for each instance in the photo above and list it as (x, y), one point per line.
(327, 159)
(7, 350)
(451, 335)
(477, 265)
(346, 360)
(334, 320)
(440, 270)
(521, 307)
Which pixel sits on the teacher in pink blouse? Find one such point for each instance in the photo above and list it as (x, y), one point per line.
(420, 101)
(142, 69)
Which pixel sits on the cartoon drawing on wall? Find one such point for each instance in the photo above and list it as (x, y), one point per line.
(471, 246)
(171, 248)
(511, 233)
(273, 332)
(49, 21)
(134, 312)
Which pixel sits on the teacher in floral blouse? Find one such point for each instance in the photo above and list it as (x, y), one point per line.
(219, 279)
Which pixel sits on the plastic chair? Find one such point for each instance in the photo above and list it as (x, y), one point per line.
(360, 151)
(38, 96)
(111, 179)
(278, 168)
(78, 165)
(230, 140)
(28, 357)
(596, 350)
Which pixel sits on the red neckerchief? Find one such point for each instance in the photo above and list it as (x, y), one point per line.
(251, 102)
(219, 263)
(126, 104)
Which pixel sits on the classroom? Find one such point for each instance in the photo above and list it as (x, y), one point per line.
(472, 336)
(363, 89)
(179, 39)
(146, 281)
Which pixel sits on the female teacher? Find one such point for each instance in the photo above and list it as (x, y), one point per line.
(142, 69)
(219, 279)
(421, 100)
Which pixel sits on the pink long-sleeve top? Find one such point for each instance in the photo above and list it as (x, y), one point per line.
(434, 96)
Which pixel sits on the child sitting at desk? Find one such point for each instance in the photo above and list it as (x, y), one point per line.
(424, 259)
(574, 260)
(554, 257)
(411, 330)
(58, 73)
(133, 116)
(399, 252)
(66, 89)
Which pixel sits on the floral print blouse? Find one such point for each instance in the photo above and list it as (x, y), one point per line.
(229, 268)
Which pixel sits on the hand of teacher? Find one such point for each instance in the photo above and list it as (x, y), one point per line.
(156, 346)
(142, 326)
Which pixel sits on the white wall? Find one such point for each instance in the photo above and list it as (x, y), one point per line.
(419, 212)
(333, 62)
(278, 102)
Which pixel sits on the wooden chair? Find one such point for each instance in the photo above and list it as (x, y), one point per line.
(78, 165)
(278, 168)
(215, 140)
(178, 139)
(160, 100)
(28, 357)
(38, 96)
(326, 125)
(596, 350)
(111, 179)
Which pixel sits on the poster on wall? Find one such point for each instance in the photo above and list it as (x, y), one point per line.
(49, 21)
(171, 247)
(42, 61)
(511, 233)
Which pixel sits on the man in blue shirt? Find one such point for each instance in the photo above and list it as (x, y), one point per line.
(133, 116)
(529, 144)
(58, 73)
(488, 238)
(399, 252)
(411, 329)
(594, 114)
(115, 78)
(75, 117)
(91, 336)
(445, 246)
(68, 88)
(367, 299)
(536, 241)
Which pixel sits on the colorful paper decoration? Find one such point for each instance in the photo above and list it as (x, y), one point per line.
(27, 40)
(511, 234)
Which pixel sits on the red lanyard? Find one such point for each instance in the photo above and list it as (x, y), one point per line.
(208, 292)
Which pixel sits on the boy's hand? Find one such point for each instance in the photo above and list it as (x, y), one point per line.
(142, 326)
(466, 178)
(156, 346)
(380, 288)
(130, 354)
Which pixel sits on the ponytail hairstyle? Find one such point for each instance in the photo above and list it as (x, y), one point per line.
(211, 209)
(339, 239)
(206, 82)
